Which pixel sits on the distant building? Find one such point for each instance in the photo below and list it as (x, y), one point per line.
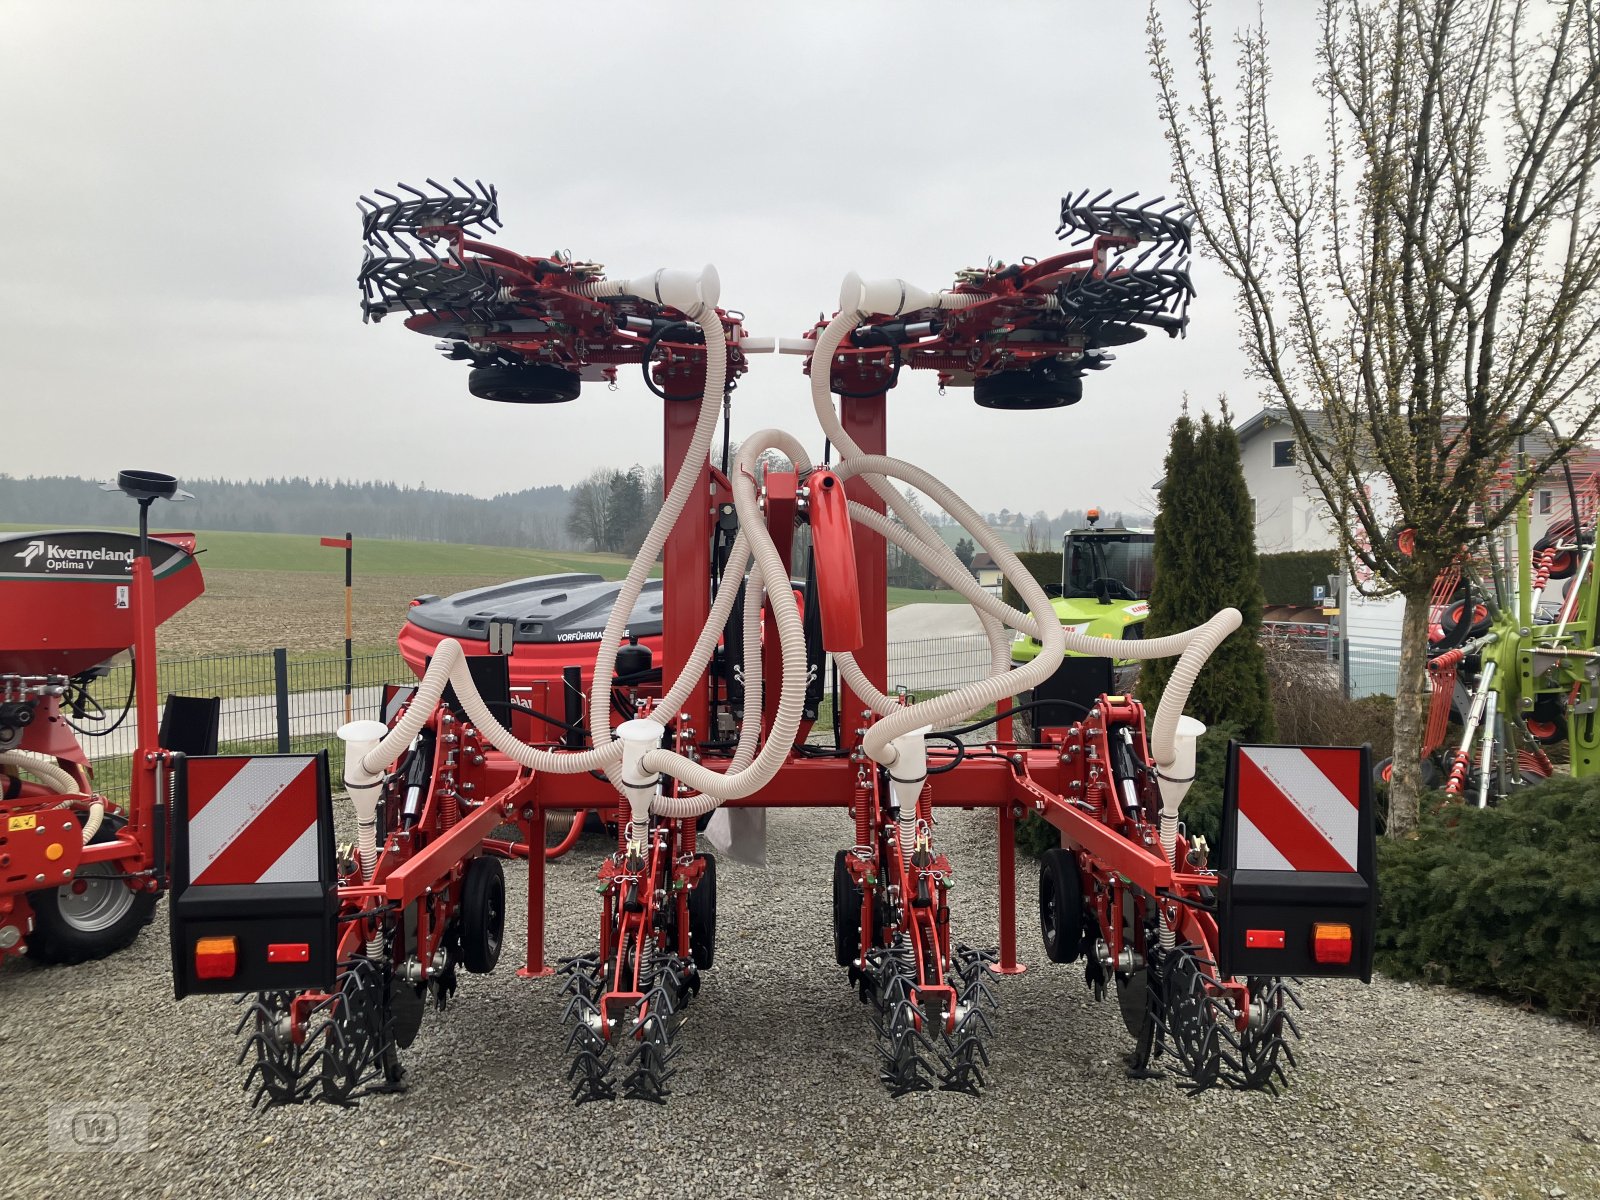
(987, 573)
(1288, 514)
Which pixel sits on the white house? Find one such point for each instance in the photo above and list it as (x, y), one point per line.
(987, 572)
(1286, 515)
(1290, 516)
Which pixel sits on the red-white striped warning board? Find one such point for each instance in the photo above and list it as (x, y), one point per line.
(1299, 808)
(253, 819)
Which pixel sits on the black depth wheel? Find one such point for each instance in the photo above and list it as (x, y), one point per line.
(703, 916)
(1060, 905)
(525, 383)
(846, 912)
(483, 914)
(95, 915)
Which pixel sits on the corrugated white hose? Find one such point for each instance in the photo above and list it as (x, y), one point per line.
(852, 298)
(677, 498)
(1195, 645)
(716, 786)
(448, 664)
(934, 553)
(705, 646)
(880, 739)
(48, 772)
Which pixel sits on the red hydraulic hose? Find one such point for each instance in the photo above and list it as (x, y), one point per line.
(551, 853)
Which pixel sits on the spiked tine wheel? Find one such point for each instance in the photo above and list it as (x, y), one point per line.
(1084, 217)
(464, 208)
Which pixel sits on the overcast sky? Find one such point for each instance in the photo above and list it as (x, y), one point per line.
(180, 239)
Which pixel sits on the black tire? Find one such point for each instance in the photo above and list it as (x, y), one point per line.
(1050, 385)
(703, 916)
(1060, 905)
(99, 920)
(847, 899)
(1383, 773)
(1463, 618)
(1564, 563)
(1432, 777)
(483, 914)
(1547, 723)
(529, 383)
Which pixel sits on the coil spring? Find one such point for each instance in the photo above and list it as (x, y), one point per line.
(624, 819)
(1541, 574)
(863, 817)
(449, 807)
(648, 967)
(904, 956)
(690, 837)
(925, 805)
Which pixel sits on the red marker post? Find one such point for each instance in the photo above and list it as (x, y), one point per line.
(347, 544)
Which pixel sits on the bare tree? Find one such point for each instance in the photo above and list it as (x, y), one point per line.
(1421, 291)
(589, 517)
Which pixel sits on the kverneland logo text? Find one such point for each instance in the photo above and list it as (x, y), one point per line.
(71, 558)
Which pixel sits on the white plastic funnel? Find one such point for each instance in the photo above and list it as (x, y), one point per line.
(1177, 775)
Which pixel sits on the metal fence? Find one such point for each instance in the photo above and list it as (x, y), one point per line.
(272, 702)
(937, 664)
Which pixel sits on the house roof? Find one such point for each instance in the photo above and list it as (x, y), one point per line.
(981, 561)
(1583, 460)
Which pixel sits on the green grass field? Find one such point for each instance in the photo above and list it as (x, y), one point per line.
(377, 556)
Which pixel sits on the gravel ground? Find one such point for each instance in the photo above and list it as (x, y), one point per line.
(1402, 1091)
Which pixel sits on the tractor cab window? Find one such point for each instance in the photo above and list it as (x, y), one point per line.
(1114, 566)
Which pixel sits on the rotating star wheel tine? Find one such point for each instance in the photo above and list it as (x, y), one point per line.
(964, 1055)
(470, 206)
(1084, 217)
(592, 1052)
(278, 1073)
(1192, 1021)
(1262, 1049)
(454, 286)
(356, 1052)
(903, 1046)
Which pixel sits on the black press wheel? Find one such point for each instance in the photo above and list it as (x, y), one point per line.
(703, 916)
(526, 383)
(847, 900)
(95, 915)
(1564, 562)
(1060, 905)
(483, 914)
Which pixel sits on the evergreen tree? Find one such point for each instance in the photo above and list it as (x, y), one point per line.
(1205, 560)
(966, 550)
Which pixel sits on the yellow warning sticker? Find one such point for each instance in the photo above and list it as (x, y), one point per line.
(17, 824)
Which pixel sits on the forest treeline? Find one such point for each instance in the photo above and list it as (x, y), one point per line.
(609, 510)
(536, 517)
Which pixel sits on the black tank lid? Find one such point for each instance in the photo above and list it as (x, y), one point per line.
(546, 608)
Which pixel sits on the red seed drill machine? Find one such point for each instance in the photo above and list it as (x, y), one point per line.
(338, 952)
(79, 877)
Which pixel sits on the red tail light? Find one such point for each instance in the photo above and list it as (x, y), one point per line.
(1331, 943)
(216, 957)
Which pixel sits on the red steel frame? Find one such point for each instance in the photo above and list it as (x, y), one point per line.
(983, 782)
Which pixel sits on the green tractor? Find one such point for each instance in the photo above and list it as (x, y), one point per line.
(1106, 577)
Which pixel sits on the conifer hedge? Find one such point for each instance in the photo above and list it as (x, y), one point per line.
(1502, 899)
(1205, 560)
